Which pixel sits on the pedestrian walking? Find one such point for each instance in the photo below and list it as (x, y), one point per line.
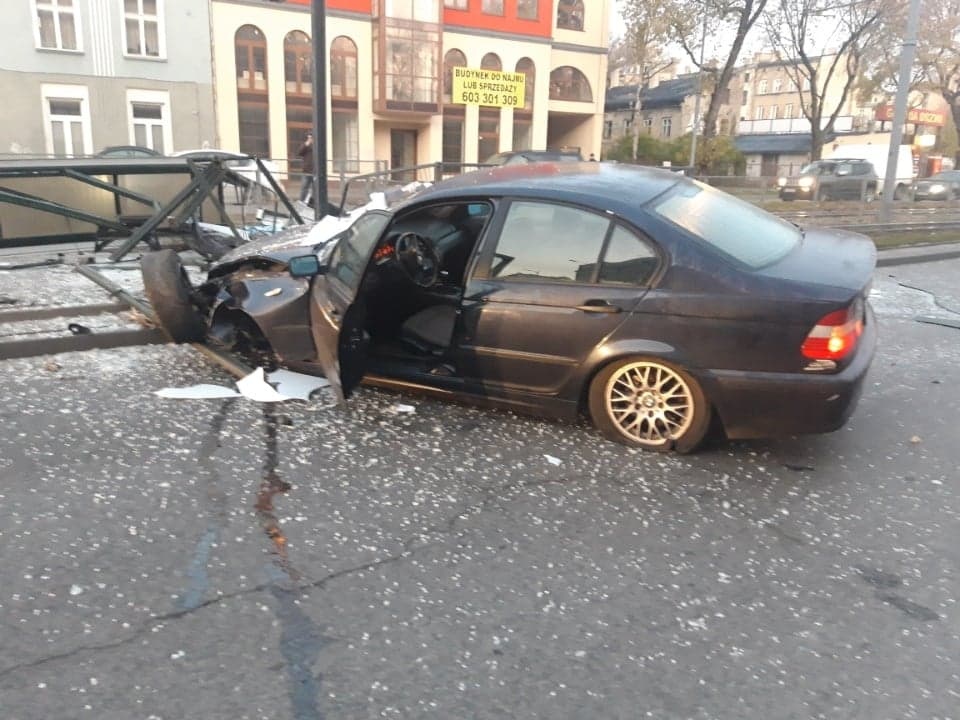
(306, 164)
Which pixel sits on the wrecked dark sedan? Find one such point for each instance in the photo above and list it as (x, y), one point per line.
(660, 306)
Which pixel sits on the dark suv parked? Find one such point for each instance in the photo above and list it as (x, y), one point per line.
(833, 179)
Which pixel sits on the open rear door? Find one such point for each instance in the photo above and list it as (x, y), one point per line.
(338, 308)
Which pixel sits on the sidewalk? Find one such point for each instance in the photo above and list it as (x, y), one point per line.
(910, 254)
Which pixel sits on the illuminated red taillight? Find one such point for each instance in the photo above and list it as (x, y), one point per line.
(835, 335)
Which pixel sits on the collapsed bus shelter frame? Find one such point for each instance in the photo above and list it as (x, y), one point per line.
(208, 173)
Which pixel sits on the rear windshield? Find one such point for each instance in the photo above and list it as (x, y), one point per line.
(818, 169)
(736, 228)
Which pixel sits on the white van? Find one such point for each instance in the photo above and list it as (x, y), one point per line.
(876, 155)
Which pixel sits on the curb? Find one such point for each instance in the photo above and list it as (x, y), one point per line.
(922, 254)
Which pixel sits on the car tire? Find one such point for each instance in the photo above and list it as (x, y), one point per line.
(677, 412)
(900, 193)
(168, 289)
(870, 194)
(820, 195)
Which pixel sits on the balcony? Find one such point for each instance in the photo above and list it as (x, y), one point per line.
(785, 126)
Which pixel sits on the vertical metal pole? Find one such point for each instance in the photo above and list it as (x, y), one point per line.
(319, 22)
(900, 109)
(696, 102)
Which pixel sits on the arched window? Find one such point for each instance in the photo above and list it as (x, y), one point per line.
(568, 83)
(452, 59)
(523, 116)
(345, 118)
(570, 14)
(343, 68)
(491, 61)
(298, 84)
(253, 109)
(526, 66)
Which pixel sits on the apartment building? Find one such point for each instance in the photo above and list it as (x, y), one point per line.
(79, 75)
(390, 77)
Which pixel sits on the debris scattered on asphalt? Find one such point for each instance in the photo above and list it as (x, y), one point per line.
(916, 439)
(296, 386)
(255, 387)
(553, 460)
(78, 329)
(401, 408)
(75, 590)
(203, 391)
(51, 366)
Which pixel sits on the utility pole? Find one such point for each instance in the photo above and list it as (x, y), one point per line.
(319, 26)
(696, 102)
(907, 53)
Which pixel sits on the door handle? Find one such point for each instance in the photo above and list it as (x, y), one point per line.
(599, 306)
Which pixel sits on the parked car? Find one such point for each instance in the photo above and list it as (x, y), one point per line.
(941, 186)
(835, 179)
(128, 152)
(652, 301)
(877, 154)
(525, 157)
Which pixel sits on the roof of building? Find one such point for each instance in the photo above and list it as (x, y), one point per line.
(670, 93)
(789, 143)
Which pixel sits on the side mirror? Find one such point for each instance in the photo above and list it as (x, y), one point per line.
(304, 266)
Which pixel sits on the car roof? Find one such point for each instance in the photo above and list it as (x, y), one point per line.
(610, 186)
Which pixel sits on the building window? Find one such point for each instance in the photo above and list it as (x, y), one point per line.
(491, 61)
(148, 119)
(298, 91)
(627, 124)
(777, 84)
(455, 4)
(570, 14)
(607, 129)
(343, 68)
(253, 109)
(523, 116)
(410, 66)
(527, 9)
(453, 58)
(746, 97)
(488, 144)
(529, 70)
(762, 88)
(56, 25)
(491, 7)
(746, 77)
(666, 125)
(144, 29)
(66, 120)
(648, 125)
(345, 132)
(568, 83)
(774, 109)
(453, 142)
(788, 110)
(758, 113)
(724, 126)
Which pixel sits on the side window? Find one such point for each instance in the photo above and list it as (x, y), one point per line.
(542, 241)
(628, 260)
(843, 169)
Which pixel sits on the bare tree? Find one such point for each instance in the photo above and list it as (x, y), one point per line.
(823, 44)
(648, 28)
(938, 51)
(722, 17)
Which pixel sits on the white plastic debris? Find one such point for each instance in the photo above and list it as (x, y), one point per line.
(401, 408)
(197, 392)
(553, 460)
(75, 590)
(255, 387)
(296, 385)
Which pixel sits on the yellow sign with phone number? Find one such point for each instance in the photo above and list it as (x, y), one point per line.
(488, 87)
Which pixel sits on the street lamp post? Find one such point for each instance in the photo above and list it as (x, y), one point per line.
(696, 102)
(319, 25)
(900, 109)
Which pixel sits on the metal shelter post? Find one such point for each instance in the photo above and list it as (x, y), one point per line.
(319, 26)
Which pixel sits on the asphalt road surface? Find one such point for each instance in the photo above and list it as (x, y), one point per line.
(226, 559)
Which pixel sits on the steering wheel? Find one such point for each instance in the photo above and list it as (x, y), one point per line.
(417, 258)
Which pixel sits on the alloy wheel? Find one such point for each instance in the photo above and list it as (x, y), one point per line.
(649, 403)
